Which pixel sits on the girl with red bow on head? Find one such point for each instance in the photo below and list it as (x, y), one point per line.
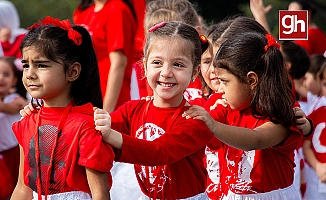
(256, 129)
(62, 156)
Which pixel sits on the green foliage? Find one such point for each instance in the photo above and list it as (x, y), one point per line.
(30, 11)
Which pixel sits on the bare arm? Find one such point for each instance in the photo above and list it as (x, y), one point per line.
(21, 191)
(98, 183)
(14, 106)
(311, 159)
(115, 78)
(259, 12)
(264, 136)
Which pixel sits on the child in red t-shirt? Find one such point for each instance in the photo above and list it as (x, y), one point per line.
(167, 150)
(314, 148)
(258, 142)
(61, 154)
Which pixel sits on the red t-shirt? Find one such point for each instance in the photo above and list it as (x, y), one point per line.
(318, 139)
(112, 28)
(78, 146)
(169, 157)
(255, 171)
(316, 43)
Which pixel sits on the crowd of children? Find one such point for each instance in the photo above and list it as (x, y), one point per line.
(232, 114)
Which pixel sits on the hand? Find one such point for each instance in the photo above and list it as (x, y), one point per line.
(148, 98)
(301, 121)
(197, 112)
(321, 171)
(28, 109)
(102, 121)
(257, 8)
(5, 34)
(218, 101)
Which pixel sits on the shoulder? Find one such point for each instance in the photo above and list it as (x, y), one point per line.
(116, 5)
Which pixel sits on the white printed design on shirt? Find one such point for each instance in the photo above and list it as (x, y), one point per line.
(156, 174)
(316, 138)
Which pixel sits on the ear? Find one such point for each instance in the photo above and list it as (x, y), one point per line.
(199, 29)
(73, 71)
(288, 65)
(252, 78)
(195, 73)
(145, 67)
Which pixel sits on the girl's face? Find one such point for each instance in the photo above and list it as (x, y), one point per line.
(235, 93)
(7, 78)
(323, 84)
(45, 79)
(311, 83)
(169, 70)
(208, 71)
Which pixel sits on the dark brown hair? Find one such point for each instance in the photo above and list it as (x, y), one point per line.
(272, 98)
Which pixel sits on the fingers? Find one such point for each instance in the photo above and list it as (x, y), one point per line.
(28, 109)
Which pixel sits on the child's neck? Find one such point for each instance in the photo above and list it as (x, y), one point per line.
(56, 103)
(167, 103)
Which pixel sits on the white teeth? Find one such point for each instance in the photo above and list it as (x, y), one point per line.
(166, 84)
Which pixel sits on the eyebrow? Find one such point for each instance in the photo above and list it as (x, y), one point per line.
(37, 61)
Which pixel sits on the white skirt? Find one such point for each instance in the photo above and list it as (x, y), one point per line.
(289, 193)
(316, 190)
(202, 196)
(75, 195)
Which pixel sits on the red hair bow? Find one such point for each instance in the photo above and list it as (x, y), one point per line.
(64, 24)
(271, 42)
(203, 39)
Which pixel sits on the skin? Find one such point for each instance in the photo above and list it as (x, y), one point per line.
(46, 79)
(8, 81)
(312, 84)
(238, 96)
(208, 72)
(169, 70)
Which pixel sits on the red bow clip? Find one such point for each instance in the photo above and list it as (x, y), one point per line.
(156, 26)
(271, 42)
(64, 24)
(203, 39)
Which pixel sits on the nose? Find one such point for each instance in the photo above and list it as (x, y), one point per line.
(166, 71)
(220, 89)
(29, 73)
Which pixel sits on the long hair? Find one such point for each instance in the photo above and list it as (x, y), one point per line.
(272, 98)
(55, 44)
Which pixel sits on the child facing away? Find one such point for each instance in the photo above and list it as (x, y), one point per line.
(256, 130)
(167, 150)
(11, 90)
(62, 156)
(314, 149)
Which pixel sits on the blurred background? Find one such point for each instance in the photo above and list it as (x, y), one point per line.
(211, 10)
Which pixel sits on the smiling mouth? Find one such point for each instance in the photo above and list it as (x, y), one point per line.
(166, 84)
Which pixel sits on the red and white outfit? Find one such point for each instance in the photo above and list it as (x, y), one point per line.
(256, 174)
(76, 146)
(166, 148)
(316, 190)
(112, 28)
(9, 151)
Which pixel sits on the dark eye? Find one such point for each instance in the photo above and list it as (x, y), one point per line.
(156, 62)
(178, 65)
(25, 66)
(42, 66)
